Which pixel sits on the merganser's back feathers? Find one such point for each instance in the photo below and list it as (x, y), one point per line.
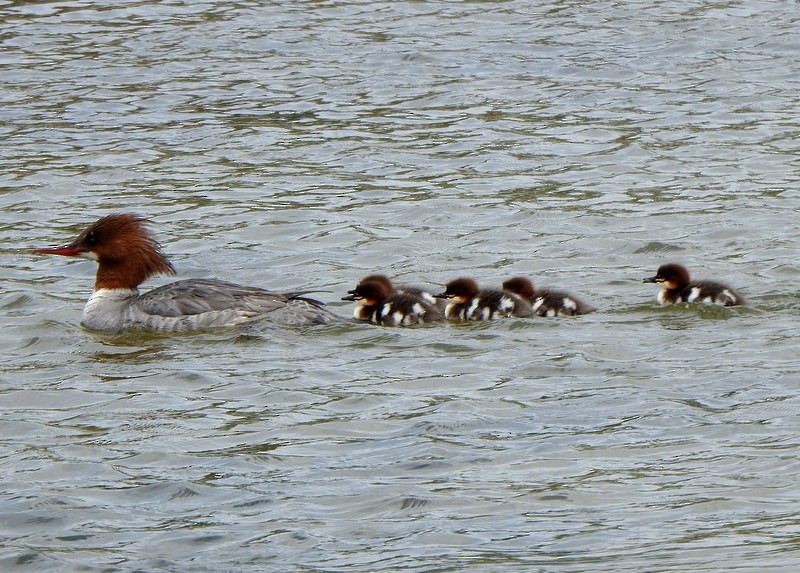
(211, 302)
(127, 255)
(197, 296)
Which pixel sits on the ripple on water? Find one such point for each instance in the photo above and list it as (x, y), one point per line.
(305, 146)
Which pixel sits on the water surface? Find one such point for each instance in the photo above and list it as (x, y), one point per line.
(297, 145)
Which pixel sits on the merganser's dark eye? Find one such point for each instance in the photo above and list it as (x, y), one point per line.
(90, 240)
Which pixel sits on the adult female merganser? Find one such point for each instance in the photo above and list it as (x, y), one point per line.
(469, 302)
(127, 255)
(547, 302)
(676, 286)
(380, 304)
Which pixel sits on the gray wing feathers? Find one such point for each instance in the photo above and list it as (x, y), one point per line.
(195, 297)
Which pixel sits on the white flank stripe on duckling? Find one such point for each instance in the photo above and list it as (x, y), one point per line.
(694, 295)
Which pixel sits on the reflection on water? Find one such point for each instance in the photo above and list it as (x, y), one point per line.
(304, 145)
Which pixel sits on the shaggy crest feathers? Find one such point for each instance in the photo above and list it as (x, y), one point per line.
(125, 249)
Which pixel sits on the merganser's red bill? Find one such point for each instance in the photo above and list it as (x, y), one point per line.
(65, 251)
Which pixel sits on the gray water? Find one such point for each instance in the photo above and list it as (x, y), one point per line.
(303, 145)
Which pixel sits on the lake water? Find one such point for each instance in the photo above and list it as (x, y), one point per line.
(303, 145)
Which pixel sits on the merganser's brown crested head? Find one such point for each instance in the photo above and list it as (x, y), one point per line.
(670, 276)
(520, 286)
(461, 289)
(126, 252)
(370, 291)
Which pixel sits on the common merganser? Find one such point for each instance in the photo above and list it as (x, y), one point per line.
(677, 286)
(469, 302)
(547, 302)
(127, 255)
(378, 303)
